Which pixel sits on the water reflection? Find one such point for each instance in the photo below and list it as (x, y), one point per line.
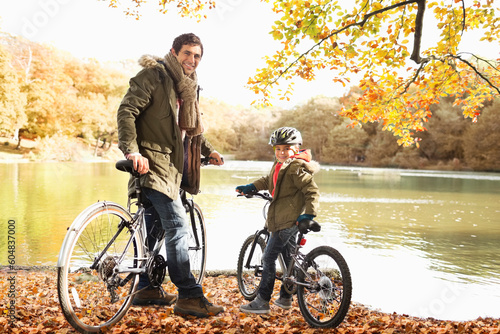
(421, 243)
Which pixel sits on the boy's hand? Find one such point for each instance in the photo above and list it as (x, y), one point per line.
(304, 216)
(246, 189)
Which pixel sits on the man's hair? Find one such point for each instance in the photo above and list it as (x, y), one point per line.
(186, 39)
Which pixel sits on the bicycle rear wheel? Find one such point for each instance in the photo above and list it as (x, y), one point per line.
(326, 296)
(249, 278)
(95, 299)
(197, 243)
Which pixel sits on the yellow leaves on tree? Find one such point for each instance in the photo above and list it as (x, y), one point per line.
(375, 38)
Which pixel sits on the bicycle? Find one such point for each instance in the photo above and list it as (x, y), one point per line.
(104, 251)
(321, 279)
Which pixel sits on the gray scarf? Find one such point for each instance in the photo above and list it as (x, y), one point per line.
(187, 91)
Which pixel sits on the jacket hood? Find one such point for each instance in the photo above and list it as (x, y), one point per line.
(306, 156)
(149, 61)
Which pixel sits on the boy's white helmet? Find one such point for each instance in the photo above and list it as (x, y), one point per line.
(285, 136)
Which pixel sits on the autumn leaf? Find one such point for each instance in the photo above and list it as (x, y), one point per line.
(37, 314)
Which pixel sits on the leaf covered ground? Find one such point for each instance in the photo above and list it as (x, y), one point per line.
(37, 311)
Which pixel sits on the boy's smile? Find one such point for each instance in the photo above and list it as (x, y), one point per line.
(283, 152)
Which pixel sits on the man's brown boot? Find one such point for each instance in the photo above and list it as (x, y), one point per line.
(199, 307)
(154, 297)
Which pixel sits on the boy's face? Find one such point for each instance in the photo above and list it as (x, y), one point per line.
(189, 57)
(283, 152)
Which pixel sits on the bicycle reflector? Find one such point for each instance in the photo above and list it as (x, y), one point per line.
(303, 241)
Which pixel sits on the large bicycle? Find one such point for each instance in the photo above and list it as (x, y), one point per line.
(321, 279)
(104, 251)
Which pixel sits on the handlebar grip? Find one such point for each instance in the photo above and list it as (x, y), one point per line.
(306, 225)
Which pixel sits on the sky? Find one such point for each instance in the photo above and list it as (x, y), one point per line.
(235, 38)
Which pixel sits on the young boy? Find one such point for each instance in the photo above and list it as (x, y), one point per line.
(295, 197)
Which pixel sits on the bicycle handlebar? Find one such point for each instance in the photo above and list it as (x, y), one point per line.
(127, 165)
(262, 195)
(206, 160)
(305, 225)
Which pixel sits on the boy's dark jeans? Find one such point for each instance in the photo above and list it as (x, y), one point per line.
(279, 242)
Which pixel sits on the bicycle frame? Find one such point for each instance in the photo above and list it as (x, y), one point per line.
(188, 204)
(296, 259)
(135, 224)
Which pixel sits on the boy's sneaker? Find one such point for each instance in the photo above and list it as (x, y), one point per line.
(156, 296)
(257, 306)
(199, 307)
(284, 303)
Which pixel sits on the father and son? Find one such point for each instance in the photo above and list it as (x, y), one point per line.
(161, 131)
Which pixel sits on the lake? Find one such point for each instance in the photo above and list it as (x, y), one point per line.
(423, 243)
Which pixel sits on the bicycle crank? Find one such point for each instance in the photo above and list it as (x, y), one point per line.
(156, 269)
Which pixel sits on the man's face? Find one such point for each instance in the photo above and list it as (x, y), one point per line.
(189, 57)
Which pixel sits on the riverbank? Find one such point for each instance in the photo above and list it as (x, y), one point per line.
(37, 311)
(57, 149)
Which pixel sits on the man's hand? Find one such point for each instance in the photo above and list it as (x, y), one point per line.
(216, 158)
(141, 164)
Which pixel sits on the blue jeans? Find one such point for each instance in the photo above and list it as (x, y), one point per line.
(172, 216)
(279, 242)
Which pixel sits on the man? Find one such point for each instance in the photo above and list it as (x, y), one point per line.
(160, 129)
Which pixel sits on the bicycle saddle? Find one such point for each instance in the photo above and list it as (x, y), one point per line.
(127, 166)
(306, 225)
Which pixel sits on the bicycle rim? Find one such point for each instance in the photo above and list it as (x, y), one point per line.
(325, 299)
(197, 243)
(94, 299)
(249, 279)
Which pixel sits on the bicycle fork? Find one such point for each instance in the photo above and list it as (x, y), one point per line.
(258, 268)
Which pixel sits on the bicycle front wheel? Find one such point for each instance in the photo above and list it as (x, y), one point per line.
(325, 287)
(249, 277)
(93, 298)
(197, 243)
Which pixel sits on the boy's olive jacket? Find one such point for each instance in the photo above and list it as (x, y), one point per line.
(147, 123)
(296, 193)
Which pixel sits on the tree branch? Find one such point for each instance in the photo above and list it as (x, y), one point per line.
(336, 32)
(419, 24)
(464, 15)
(477, 72)
(420, 68)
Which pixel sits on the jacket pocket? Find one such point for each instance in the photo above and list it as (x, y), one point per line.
(149, 145)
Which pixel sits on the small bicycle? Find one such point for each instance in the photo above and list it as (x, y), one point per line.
(321, 279)
(104, 251)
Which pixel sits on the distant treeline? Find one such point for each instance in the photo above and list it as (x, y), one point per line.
(451, 142)
(46, 93)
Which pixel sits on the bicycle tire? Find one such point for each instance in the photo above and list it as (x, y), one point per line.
(325, 300)
(84, 296)
(248, 278)
(197, 246)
